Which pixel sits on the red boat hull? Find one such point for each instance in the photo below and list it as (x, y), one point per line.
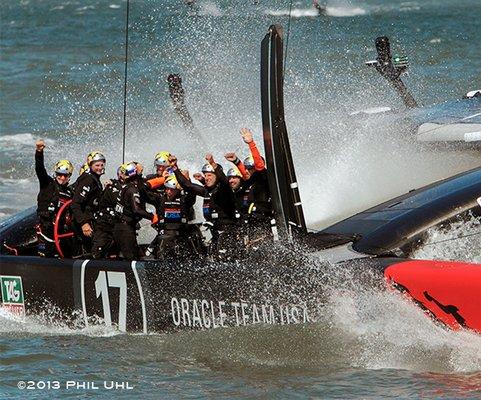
(451, 291)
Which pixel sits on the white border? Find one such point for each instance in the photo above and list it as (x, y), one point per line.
(141, 294)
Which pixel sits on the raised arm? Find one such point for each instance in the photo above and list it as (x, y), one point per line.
(259, 163)
(219, 172)
(189, 186)
(186, 184)
(232, 157)
(43, 178)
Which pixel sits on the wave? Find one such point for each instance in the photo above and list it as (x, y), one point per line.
(20, 140)
(51, 322)
(312, 12)
(210, 8)
(20, 182)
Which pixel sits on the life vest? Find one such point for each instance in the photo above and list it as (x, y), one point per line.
(174, 212)
(51, 198)
(212, 212)
(123, 208)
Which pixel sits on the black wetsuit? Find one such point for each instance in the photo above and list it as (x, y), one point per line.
(259, 205)
(85, 204)
(177, 238)
(130, 210)
(219, 209)
(50, 198)
(103, 237)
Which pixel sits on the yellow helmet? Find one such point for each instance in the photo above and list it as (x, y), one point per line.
(249, 162)
(162, 159)
(171, 182)
(128, 169)
(63, 167)
(234, 171)
(95, 156)
(84, 168)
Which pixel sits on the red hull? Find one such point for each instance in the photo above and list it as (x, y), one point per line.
(451, 291)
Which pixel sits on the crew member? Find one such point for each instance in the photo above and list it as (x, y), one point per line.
(236, 182)
(85, 202)
(130, 209)
(256, 187)
(85, 166)
(162, 169)
(218, 206)
(177, 238)
(152, 188)
(103, 236)
(53, 193)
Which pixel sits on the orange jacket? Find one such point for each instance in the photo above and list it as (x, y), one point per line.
(242, 169)
(259, 163)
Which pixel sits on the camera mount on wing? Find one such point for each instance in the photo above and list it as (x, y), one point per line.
(392, 68)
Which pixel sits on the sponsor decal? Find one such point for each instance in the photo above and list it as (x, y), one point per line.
(206, 314)
(12, 294)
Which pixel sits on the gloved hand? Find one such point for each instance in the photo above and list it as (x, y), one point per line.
(155, 219)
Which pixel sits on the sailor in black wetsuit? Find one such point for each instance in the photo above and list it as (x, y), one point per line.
(255, 187)
(177, 238)
(130, 209)
(53, 193)
(241, 195)
(103, 236)
(85, 203)
(219, 206)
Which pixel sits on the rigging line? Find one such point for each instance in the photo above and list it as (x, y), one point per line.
(287, 39)
(452, 239)
(449, 123)
(125, 79)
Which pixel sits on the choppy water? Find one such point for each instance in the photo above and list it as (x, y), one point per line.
(61, 77)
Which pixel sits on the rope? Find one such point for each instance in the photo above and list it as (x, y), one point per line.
(452, 239)
(125, 79)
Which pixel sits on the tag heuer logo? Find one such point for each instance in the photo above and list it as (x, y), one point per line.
(12, 290)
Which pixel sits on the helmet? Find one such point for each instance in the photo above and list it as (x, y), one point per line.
(249, 162)
(234, 171)
(84, 168)
(95, 156)
(128, 169)
(63, 167)
(207, 168)
(171, 182)
(162, 159)
(119, 171)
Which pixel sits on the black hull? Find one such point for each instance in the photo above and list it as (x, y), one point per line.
(158, 296)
